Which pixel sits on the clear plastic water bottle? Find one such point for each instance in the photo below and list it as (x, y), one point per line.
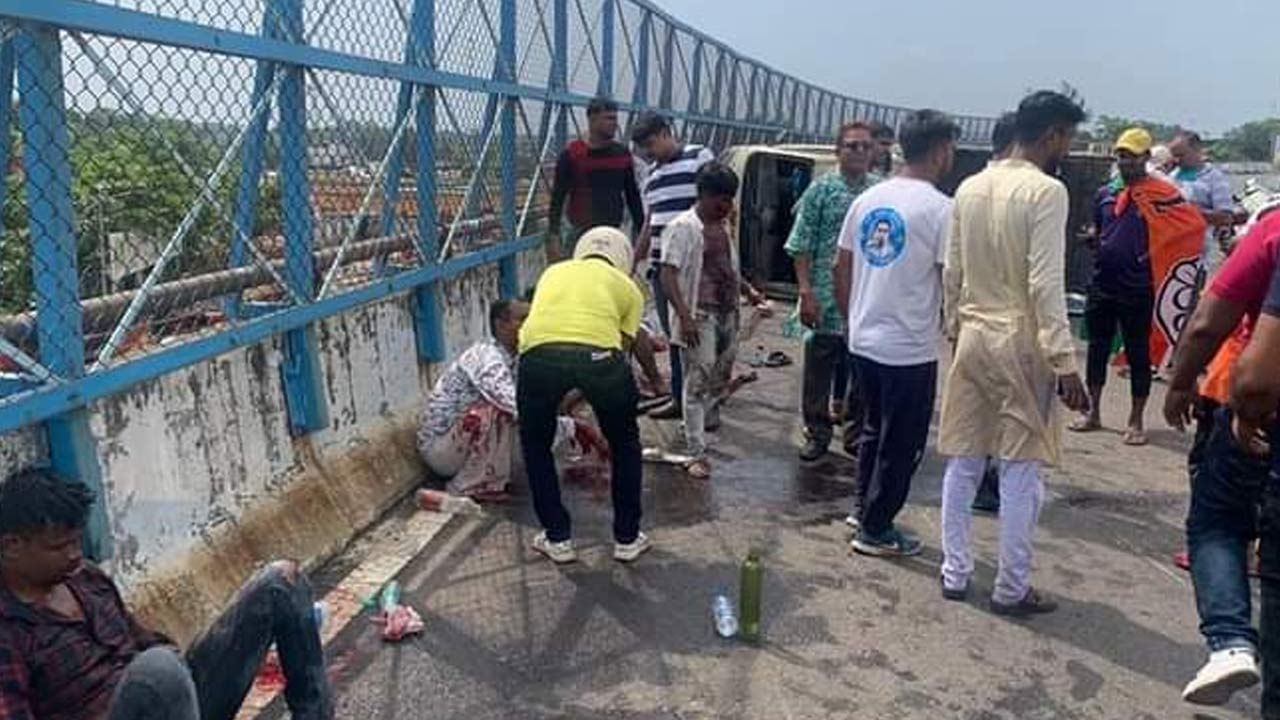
(436, 501)
(725, 618)
(749, 592)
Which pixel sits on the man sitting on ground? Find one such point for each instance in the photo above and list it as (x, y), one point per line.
(468, 432)
(70, 649)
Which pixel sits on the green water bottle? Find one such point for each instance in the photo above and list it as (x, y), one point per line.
(749, 598)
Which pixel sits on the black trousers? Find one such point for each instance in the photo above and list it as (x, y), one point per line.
(547, 373)
(823, 353)
(899, 407)
(1270, 585)
(1132, 315)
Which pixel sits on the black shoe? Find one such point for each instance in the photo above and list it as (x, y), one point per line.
(1033, 603)
(813, 450)
(892, 544)
(954, 595)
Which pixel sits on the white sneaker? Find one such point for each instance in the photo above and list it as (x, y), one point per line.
(853, 522)
(559, 552)
(628, 552)
(1226, 672)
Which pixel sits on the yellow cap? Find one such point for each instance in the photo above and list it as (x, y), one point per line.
(1135, 140)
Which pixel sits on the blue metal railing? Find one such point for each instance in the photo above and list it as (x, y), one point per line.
(287, 161)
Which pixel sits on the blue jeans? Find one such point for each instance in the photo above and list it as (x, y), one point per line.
(664, 318)
(1226, 489)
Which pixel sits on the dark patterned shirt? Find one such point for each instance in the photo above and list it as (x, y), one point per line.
(53, 667)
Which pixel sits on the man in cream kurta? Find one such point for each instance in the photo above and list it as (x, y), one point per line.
(1006, 312)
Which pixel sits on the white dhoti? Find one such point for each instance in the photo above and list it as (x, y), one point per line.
(1021, 495)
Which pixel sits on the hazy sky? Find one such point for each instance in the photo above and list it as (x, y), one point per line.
(1207, 64)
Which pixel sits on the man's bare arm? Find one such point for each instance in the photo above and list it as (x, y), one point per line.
(643, 241)
(1213, 321)
(670, 279)
(1255, 380)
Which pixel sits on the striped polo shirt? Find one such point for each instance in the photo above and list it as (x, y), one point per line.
(671, 189)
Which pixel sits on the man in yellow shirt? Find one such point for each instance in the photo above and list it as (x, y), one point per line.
(1006, 312)
(584, 318)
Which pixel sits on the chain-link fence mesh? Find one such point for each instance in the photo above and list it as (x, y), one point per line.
(185, 191)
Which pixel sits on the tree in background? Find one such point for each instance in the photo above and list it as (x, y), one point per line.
(1108, 127)
(15, 242)
(1252, 141)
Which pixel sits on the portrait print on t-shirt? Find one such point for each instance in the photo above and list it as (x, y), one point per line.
(882, 237)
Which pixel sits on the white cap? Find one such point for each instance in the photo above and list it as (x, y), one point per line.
(607, 242)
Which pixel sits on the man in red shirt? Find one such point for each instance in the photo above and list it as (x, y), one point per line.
(70, 649)
(1255, 396)
(598, 178)
(1226, 480)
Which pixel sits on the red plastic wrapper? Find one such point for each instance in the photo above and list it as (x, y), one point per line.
(400, 622)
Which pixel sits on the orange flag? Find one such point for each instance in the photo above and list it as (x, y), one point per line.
(1216, 384)
(1175, 239)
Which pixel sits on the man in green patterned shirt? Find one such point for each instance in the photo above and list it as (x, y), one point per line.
(819, 216)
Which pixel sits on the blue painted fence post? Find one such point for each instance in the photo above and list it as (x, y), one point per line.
(695, 90)
(6, 117)
(732, 112)
(508, 268)
(301, 368)
(796, 111)
(717, 90)
(252, 158)
(806, 119)
(640, 96)
(59, 315)
(666, 87)
(560, 66)
(608, 20)
(427, 309)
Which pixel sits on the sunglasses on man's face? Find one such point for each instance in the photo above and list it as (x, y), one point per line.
(858, 145)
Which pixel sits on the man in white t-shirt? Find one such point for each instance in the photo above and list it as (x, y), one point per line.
(889, 280)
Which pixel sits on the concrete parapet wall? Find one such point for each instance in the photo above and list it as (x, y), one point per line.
(204, 482)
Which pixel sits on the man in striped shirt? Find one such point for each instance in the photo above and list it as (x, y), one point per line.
(669, 191)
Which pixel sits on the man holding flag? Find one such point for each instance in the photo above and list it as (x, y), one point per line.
(1148, 242)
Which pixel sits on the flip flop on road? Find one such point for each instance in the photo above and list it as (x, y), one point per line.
(777, 359)
(734, 386)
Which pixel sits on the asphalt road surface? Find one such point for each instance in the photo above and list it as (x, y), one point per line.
(509, 635)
